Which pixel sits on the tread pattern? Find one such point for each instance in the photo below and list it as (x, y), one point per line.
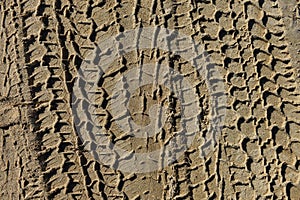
(19, 166)
(253, 43)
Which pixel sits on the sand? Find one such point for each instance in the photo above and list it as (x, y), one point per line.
(254, 48)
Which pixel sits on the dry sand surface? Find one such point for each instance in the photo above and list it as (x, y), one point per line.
(253, 46)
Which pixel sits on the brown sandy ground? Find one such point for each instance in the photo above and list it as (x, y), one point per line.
(255, 45)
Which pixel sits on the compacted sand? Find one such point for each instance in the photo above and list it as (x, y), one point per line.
(254, 48)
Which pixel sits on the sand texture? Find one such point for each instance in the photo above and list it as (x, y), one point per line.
(254, 46)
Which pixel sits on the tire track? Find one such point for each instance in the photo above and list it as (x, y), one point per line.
(253, 43)
(18, 145)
